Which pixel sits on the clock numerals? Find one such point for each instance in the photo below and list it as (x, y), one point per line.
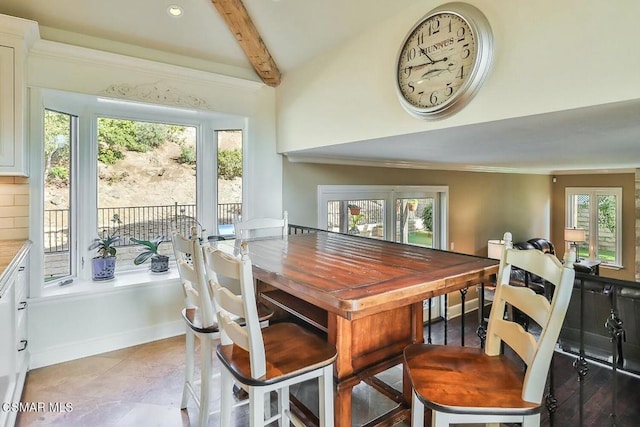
(461, 33)
(461, 75)
(434, 27)
(448, 90)
(411, 54)
(466, 52)
(433, 98)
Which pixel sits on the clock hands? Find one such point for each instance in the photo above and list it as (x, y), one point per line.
(431, 62)
(424, 52)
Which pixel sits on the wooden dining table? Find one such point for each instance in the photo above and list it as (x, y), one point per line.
(365, 295)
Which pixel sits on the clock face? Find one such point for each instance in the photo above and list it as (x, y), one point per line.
(440, 63)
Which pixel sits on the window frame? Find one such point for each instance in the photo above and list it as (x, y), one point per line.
(88, 109)
(593, 193)
(389, 193)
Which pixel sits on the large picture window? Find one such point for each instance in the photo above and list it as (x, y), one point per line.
(599, 212)
(133, 170)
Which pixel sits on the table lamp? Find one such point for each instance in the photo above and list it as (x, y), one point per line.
(494, 248)
(574, 236)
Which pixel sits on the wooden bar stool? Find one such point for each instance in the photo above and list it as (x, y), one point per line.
(201, 323)
(200, 320)
(264, 360)
(468, 385)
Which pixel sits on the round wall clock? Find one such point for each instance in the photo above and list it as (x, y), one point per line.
(444, 60)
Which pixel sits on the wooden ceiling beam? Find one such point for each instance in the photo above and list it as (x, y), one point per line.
(239, 22)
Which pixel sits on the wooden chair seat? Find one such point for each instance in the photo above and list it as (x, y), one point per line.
(466, 380)
(302, 353)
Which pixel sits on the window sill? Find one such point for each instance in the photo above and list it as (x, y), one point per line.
(611, 266)
(122, 281)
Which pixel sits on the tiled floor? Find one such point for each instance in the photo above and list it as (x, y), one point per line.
(142, 386)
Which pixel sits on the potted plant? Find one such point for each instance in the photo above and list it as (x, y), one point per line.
(354, 220)
(354, 210)
(159, 263)
(412, 205)
(103, 266)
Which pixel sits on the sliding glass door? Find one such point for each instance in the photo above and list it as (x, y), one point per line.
(414, 220)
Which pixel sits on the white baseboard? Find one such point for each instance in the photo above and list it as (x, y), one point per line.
(103, 344)
(456, 310)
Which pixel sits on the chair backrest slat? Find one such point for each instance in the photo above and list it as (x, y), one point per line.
(219, 264)
(191, 269)
(234, 331)
(514, 336)
(535, 306)
(535, 350)
(229, 301)
(260, 227)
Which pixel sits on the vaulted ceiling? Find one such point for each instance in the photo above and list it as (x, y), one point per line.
(266, 39)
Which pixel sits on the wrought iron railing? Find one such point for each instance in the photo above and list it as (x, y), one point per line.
(608, 328)
(142, 222)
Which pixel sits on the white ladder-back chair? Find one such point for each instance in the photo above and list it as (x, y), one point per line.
(264, 360)
(201, 322)
(261, 227)
(468, 385)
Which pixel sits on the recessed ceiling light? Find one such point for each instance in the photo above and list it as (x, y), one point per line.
(175, 11)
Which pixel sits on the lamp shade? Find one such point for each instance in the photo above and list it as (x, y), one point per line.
(494, 248)
(574, 234)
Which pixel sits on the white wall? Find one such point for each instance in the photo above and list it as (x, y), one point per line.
(583, 52)
(71, 326)
(83, 324)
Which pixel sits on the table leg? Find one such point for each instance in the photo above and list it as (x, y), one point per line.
(342, 405)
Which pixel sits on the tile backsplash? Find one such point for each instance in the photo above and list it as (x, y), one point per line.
(14, 207)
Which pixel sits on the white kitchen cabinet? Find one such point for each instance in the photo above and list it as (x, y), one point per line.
(14, 344)
(16, 36)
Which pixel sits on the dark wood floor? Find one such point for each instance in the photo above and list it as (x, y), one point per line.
(142, 386)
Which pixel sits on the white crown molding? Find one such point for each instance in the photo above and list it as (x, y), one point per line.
(24, 29)
(301, 158)
(96, 58)
(350, 161)
(628, 169)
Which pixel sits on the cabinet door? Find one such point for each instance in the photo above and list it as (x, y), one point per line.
(21, 342)
(7, 347)
(7, 112)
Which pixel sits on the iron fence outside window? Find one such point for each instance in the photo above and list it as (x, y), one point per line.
(141, 222)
